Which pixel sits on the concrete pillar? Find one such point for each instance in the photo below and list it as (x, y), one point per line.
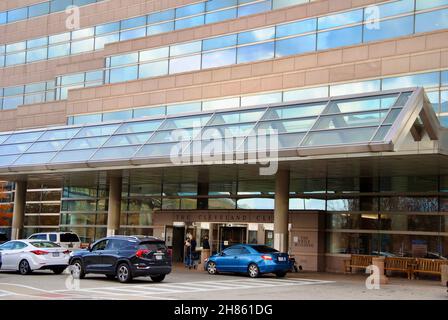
(18, 216)
(281, 209)
(113, 214)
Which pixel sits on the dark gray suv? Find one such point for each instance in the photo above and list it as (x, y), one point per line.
(124, 258)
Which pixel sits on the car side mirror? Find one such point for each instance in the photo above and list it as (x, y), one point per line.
(222, 253)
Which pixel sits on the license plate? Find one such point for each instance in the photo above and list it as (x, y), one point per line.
(281, 259)
(158, 257)
(55, 254)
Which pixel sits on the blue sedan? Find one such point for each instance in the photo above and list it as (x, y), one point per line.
(253, 260)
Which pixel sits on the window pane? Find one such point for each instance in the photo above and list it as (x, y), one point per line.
(115, 153)
(221, 104)
(15, 58)
(430, 21)
(294, 111)
(82, 46)
(97, 130)
(154, 54)
(389, 29)
(36, 54)
(254, 8)
(364, 104)
(141, 126)
(298, 27)
(189, 22)
(88, 118)
(221, 15)
(219, 58)
(357, 87)
(117, 115)
(129, 58)
(161, 16)
(350, 120)
(295, 45)
(183, 108)
(72, 78)
(17, 14)
(24, 137)
(340, 19)
(288, 126)
(339, 136)
(39, 42)
(305, 94)
(261, 99)
(34, 158)
(220, 42)
(218, 4)
(185, 48)
(73, 156)
(132, 34)
(39, 9)
(123, 74)
(59, 50)
(83, 33)
(59, 5)
(153, 69)
(185, 64)
(62, 37)
(277, 4)
(419, 80)
(59, 134)
(256, 52)
(388, 10)
(256, 35)
(339, 38)
(190, 10)
(100, 42)
(106, 28)
(133, 22)
(12, 102)
(426, 4)
(160, 28)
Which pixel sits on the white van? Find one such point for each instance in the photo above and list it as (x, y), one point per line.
(65, 239)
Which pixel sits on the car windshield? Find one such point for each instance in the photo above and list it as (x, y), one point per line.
(45, 244)
(152, 246)
(69, 237)
(264, 249)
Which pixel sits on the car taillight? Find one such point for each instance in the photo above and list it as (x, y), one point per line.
(141, 252)
(39, 252)
(266, 257)
(66, 252)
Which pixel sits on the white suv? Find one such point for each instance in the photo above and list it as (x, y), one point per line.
(65, 239)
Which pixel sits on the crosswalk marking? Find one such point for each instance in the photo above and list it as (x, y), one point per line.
(162, 290)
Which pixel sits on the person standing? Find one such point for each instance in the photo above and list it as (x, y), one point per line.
(192, 252)
(187, 253)
(205, 254)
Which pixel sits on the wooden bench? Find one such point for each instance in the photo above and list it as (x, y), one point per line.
(399, 264)
(429, 266)
(357, 261)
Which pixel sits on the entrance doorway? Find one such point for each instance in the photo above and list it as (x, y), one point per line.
(230, 235)
(178, 244)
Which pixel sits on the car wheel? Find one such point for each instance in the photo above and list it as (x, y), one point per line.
(158, 278)
(124, 273)
(58, 270)
(24, 267)
(110, 276)
(77, 269)
(280, 274)
(211, 268)
(253, 270)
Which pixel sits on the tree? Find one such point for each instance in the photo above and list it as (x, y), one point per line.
(5, 205)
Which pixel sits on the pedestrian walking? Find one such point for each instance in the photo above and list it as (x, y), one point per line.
(187, 253)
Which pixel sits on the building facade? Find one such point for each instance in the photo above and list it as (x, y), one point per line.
(356, 91)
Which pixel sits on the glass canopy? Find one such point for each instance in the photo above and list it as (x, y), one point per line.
(358, 120)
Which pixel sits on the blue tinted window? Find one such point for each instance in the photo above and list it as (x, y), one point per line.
(100, 42)
(444, 101)
(340, 19)
(89, 118)
(123, 74)
(339, 38)
(153, 69)
(434, 99)
(149, 112)
(444, 121)
(256, 52)
(83, 2)
(2, 17)
(82, 46)
(133, 22)
(256, 35)
(161, 16)
(190, 10)
(426, 4)
(16, 58)
(419, 80)
(296, 28)
(59, 5)
(389, 29)
(59, 50)
(219, 58)
(295, 45)
(189, 22)
(37, 42)
(18, 46)
(123, 59)
(430, 21)
(132, 34)
(39, 9)
(218, 4)
(220, 42)
(254, 8)
(106, 28)
(36, 54)
(388, 9)
(118, 115)
(17, 14)
(444, 78)
(221, 15)
(12, 102)
(160, 28)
